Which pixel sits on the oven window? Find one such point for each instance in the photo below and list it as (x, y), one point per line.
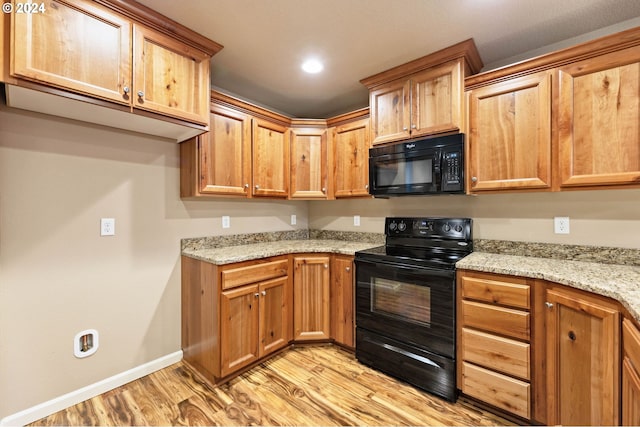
(404, 172)
(402, 300)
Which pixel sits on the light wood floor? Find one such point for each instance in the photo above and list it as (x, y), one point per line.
(314, 385)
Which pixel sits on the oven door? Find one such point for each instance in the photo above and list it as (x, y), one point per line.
(405, 173)
(410, 304)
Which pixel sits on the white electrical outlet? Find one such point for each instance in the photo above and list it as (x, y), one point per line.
(294, 220)
(226, 222)
(561, 224)
(107, 226)
(356, 220)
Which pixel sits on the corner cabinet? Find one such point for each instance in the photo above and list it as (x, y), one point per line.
(350, 149)
(599, 121)
(583, 358)
(342, 300)
(123, 53)
(309, 163)
(311, 297)
(270, 161)
(510, 134)
(422, 97)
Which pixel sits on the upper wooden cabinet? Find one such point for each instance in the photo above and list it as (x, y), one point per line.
(510, 134)
(77, 45)
(422, 97)
(309, 163)
(270, 159)
(350, 154)
(170, 77)
(121, 52)
(599, 121)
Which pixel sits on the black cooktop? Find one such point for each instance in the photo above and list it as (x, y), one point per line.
(423, 242)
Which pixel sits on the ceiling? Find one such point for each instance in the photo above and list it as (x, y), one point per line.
(265, 41)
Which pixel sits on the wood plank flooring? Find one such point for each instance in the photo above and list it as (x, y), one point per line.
(312, 385)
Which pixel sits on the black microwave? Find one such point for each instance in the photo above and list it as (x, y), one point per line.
(420, 167)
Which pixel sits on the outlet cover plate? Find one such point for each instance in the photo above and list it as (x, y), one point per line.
(356, 220)
(107, 226)
(294, 220)
(561, 224)
(226, 222)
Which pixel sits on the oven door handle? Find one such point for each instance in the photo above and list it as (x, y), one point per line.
(411, 355)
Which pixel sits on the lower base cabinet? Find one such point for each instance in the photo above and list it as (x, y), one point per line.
(342, 300)
(630, 374)
(311, 297)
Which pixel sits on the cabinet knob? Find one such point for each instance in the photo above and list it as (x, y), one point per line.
(257, 187)
(246, 186)
(141, 94)
(324, 190)
(474, 179)
(366, 186)
(256, 295)
(326, 266)
(405, 129)
(126, 89)
(348, 268)
(549, 304)
(263, 293)
(413, 126)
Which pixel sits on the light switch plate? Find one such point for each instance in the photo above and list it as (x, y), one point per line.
(226, 222)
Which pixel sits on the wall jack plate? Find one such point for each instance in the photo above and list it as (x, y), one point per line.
(226, 222)
(561, 225)
(356, 220)
(107, 226)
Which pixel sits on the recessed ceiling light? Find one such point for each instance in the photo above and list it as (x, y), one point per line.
(312, 66)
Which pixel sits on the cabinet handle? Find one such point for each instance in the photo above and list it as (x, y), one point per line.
(549, 304)
(263, 293)
(141, 94)
(474, 179)
(348, 268)
(126, 89)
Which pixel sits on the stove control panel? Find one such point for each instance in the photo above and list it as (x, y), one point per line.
(448, 228)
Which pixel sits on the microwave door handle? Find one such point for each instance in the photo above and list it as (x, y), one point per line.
(437, 163)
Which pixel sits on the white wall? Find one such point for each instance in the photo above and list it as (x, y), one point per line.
(58, 276)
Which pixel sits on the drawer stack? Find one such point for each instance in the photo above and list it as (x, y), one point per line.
(494, 348)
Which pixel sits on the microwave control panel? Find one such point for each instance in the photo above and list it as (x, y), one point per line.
(452, 167)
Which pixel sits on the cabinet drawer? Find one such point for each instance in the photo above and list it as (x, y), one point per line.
(496, 389)
(497, 292)
(254, 273)
(504, 321)
(498, 353)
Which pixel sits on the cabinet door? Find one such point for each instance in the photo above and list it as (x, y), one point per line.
(170, 77)
(390, 112)
(437, 99)
(239, 316)
(630, 374)
(351, 159)
(599, 120)
(75, 45)
(342, 300)
(275, 312)
(270, 159)
(583, 359)
(224, 154)
(311, 298)
(510, 134)
(309, 164)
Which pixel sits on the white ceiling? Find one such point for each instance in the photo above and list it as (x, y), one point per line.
(265, 41)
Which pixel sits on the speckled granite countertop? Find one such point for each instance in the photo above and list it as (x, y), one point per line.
(620, 282)
(231, 254)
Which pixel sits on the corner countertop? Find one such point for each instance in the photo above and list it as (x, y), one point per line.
(238, 253)
(620, 282)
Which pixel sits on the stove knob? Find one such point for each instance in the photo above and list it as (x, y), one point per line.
(402, 226)
(446, 228)
(458, 228)
(392, 226)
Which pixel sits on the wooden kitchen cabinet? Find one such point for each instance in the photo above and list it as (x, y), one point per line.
(234, 314)
(350, 143)
(270, 161)
(630, 374)
(583, 358)
(218, 162)
(311, 297)
(309, 163)
(494, 340)
(342, 300)
(599, 121)
(105, 51)
(422, 97)
(510, 134)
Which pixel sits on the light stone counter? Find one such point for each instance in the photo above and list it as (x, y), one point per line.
(620, 282)
(231, 254)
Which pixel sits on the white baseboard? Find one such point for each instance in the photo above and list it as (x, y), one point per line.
(59, 403)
